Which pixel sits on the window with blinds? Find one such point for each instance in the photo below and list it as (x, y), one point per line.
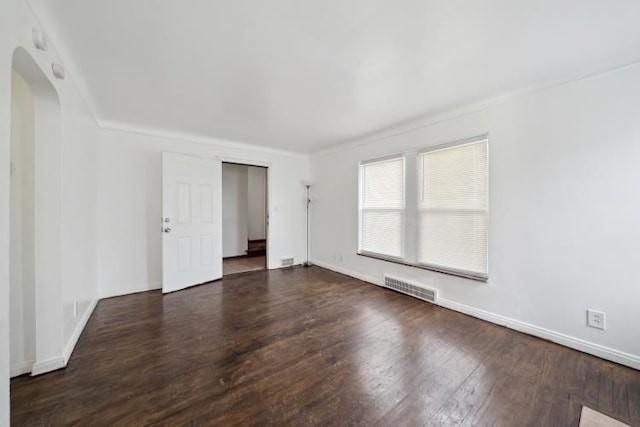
(453, 207)
(444, 225)
(382, 207)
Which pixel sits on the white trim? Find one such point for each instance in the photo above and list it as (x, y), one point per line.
(21, 368)
(78, 330)
(61, 362)
(118, 126)
(61, 52)
(278, 267)
(445, 115)
(47, 366)
(246, 162)
(484, 138)
(52, 33)
(594, 349)
(607, 353)
(388, 158)
(364, 277)
(133, 289)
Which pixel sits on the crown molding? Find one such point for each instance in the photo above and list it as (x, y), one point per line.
(459, 111)
(118, 126)
(413, 124)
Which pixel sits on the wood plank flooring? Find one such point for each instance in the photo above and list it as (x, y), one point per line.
(243, 263)
(310, 347)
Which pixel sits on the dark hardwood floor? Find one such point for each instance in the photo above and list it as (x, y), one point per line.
(306, 346)
(243, 264)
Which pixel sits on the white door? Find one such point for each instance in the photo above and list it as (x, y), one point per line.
(192, 221)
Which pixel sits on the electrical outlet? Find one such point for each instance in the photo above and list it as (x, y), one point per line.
(340, 257)
(75, 309)
(596, 319)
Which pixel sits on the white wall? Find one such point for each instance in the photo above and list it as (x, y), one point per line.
(78, 214)
(79, 239)
(234, 209)
(22, 267)
(129, 204)
(257, 193)
(564, 203)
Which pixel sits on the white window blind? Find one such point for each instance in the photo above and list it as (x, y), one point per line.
(453, 208)
(382, 206)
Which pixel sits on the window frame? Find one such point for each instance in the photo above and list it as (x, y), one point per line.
(419, 209)
(361, 209)
(412, 188)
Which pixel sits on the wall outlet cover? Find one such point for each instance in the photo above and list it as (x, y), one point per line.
(596, 319)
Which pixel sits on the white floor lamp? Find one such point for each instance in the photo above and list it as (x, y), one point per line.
(307, 185)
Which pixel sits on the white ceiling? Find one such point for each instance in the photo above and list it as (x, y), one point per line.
(301, 75)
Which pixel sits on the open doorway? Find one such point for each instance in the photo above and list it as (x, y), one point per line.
(35, 234)
(244, 218)
(21, 236)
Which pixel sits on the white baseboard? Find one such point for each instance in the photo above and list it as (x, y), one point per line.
(594, 349)
(348, 272)
(133, 289)
(55, 363)
(21, 368)
(78, 330)
(47, 365)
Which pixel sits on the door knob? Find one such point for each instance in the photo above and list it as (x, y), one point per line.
(167, 230)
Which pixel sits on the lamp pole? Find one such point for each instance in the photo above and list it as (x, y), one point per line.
(307, 263)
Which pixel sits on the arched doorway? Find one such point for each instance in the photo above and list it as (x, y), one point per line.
(36, 323)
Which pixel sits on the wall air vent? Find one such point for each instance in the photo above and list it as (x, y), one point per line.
(286, 262)
(413, 289)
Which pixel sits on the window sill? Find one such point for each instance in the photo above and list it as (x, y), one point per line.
(469, 276)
